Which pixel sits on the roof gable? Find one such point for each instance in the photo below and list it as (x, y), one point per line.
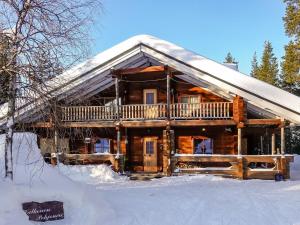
(95, 74)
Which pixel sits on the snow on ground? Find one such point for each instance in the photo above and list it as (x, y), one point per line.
(91, 174)
(96, 195)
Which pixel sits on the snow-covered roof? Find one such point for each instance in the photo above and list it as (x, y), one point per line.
(94, 75)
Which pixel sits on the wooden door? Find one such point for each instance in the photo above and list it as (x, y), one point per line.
(150, 154)
(150, 101)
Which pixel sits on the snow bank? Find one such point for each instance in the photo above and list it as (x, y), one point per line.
(191, 200)
(35, 180)
(91, 174)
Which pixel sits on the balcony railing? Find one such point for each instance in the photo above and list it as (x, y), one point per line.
(205, 110)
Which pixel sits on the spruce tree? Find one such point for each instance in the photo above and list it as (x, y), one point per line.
(290, 66)
(254, 64)
(268, 70)
(292, 19)
(229, 58)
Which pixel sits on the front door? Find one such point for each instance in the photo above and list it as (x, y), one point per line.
(150, 154)
(150, 101)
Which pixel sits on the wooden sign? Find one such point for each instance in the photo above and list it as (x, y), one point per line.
(46, 211)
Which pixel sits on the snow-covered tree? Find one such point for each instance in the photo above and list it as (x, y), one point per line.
(46, 37)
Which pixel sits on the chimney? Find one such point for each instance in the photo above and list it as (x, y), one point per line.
(233, 66)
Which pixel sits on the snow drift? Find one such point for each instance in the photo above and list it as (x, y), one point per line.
(113, 200)
(35, 180)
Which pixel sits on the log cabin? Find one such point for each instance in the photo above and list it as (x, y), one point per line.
(149, 106)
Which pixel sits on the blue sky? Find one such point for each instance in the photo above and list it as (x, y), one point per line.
(209, 27)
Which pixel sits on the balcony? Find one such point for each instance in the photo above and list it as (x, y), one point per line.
(178, 111)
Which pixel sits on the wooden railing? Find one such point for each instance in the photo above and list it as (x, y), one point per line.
(142, 111)
(207, 110)
(243, 167)
(88, 113)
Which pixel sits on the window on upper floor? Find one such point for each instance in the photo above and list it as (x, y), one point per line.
(191, 99)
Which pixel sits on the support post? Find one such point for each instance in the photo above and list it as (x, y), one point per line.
(117, 97)
(282, 139)
(168, 94)
(168, 135)
(239, 141)
(273, 144)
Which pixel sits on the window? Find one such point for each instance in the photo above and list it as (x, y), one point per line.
(203, 145)
(190, 99)
(149, 147)
(102, 145)
(150, 96)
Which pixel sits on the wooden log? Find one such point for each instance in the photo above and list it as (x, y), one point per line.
(271, 122)
(273, 143)
(239, 141)
(282, 140)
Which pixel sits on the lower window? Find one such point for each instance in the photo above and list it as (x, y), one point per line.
(102, 145)
(203, 146)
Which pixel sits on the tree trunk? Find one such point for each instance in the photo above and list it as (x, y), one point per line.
(10, 128)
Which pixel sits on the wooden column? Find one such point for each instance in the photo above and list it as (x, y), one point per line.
(168, 145)
(273, 143)
(117, 97)
(168, 94)
(239, 141)
(282, 139)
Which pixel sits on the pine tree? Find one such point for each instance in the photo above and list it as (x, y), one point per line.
(290, 67)
(254, 63)
(292, 19)
(229, 58)
(268, 70)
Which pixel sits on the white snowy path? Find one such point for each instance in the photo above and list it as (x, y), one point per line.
(94, 195)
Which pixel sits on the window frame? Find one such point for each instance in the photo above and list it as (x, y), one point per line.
(145, 91)
(189, 98)
(103, 147)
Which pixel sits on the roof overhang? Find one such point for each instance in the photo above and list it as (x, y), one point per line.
(95, 75)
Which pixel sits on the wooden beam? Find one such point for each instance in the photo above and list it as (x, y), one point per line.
(100, 124)
(41, 125)
(270, 122)
(137, 70)
(183, 123)
(153, 123)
